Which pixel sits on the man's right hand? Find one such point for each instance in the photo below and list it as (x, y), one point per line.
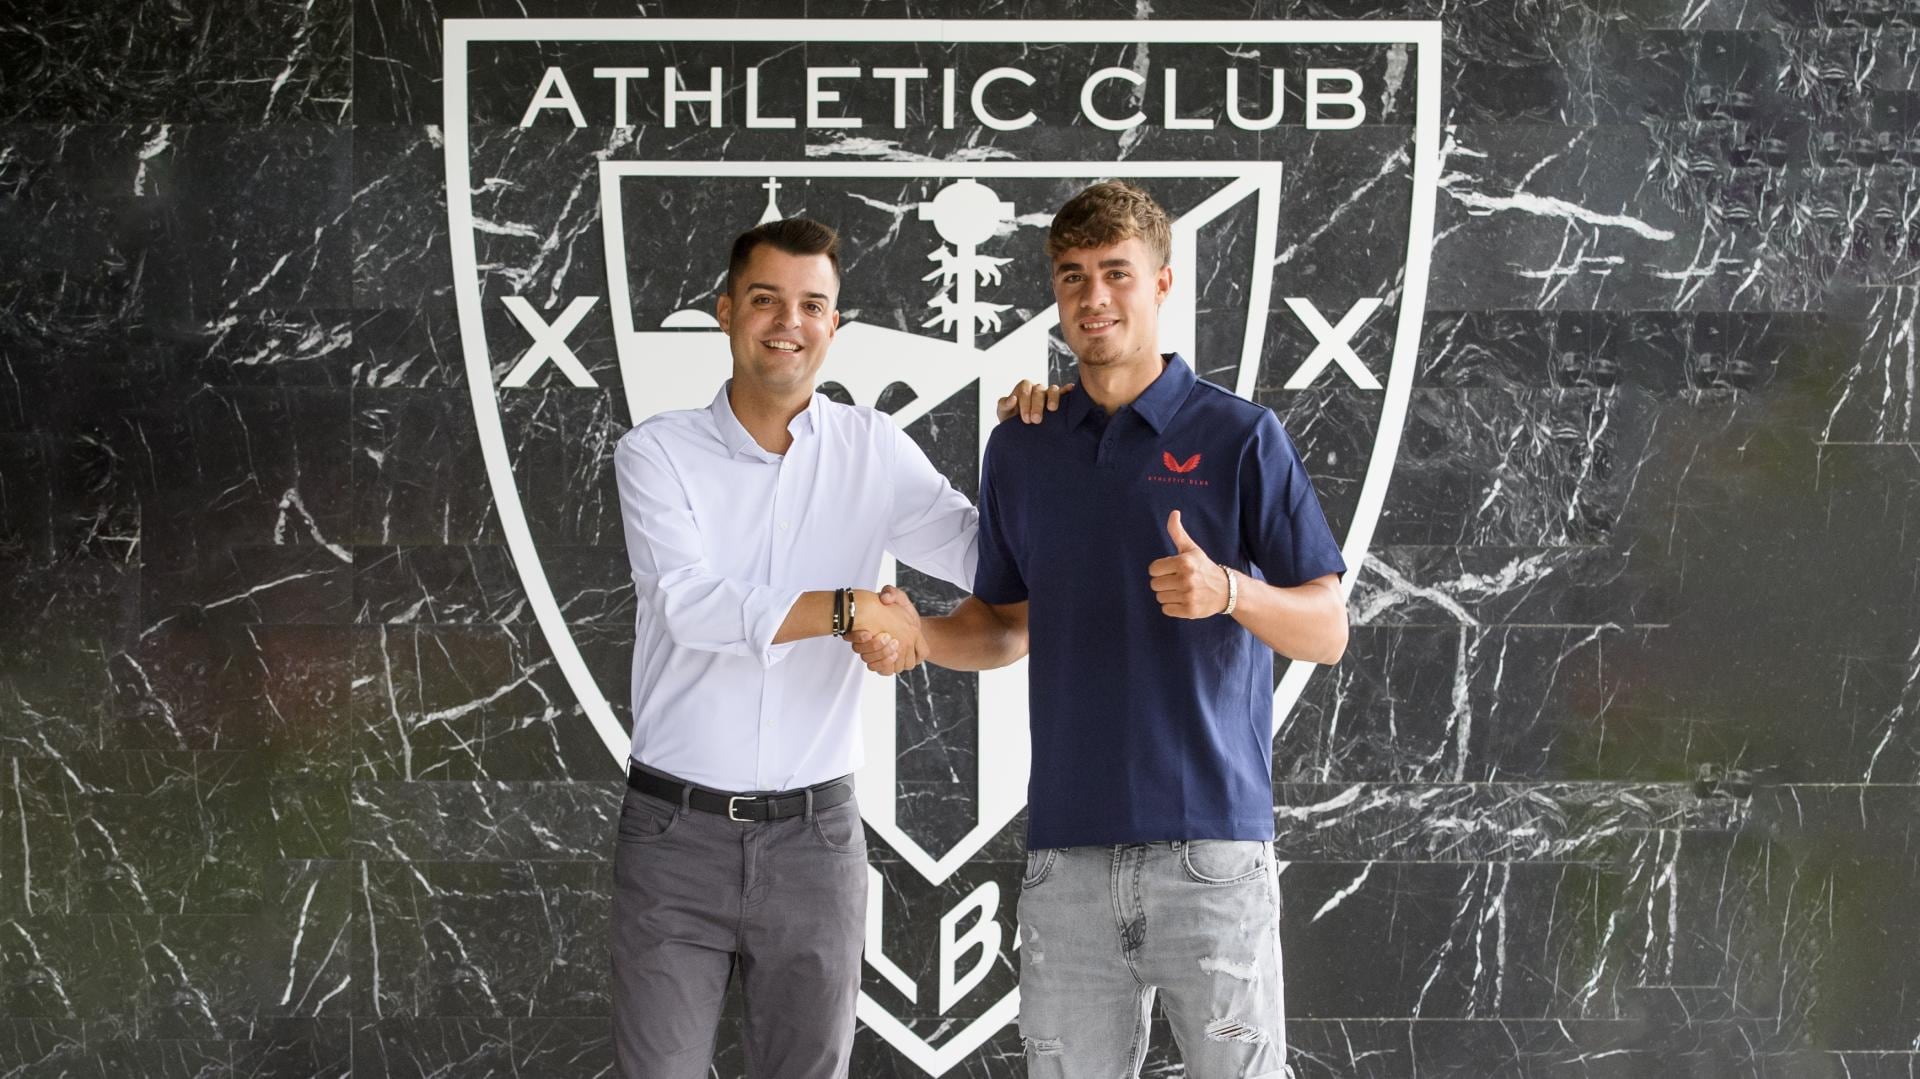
(1031, 401)
(888, 638)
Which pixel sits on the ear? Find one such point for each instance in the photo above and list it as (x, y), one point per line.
(833, 325)
(1162, 284)
(723, 312)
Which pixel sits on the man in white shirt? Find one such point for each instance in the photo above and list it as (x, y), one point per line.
(748, 524)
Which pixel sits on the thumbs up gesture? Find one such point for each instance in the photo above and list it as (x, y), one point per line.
(1188, 584)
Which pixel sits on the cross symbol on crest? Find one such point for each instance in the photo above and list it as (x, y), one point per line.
(772, 212)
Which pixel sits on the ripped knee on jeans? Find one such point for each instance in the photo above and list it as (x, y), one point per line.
(1233, 1030)
(1041, 1046)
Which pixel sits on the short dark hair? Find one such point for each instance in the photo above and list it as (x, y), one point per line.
(1110, 212)
(794, 235)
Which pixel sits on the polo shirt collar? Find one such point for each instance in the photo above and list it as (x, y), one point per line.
(1159, 401)
(734, 434)
(1156, 404)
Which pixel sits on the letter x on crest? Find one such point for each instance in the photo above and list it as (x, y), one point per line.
(549, 341)
(1334, 343)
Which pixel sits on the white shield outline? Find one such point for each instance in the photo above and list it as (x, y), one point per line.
(1424, 35)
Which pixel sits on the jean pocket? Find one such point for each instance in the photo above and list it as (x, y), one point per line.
(644, 818)
(839, 829)
(1039, 864)
(1225, 861)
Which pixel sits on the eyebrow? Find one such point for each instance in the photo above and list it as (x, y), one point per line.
(1104, 264)
(775, 289)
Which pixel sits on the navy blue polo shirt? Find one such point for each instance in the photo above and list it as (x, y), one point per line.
(1145, 727)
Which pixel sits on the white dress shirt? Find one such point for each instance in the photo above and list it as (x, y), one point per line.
(723, 537)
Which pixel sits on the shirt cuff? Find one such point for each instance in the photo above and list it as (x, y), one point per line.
(766, 611)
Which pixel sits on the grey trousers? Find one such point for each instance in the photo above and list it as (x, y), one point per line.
(697, 897)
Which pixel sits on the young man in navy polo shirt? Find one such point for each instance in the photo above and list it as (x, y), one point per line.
(1160, 540)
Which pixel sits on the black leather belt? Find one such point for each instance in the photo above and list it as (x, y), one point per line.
(741, 807)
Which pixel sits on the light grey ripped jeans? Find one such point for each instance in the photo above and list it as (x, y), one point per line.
(1104, 928)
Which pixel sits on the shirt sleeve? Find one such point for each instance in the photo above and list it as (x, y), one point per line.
(666, 553)
(998, 579)
(1285, 533)
(934, 528)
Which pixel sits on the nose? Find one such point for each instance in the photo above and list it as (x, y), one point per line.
(1095, 296)
(787, 316)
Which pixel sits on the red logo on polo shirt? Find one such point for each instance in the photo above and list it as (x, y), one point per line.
(1180, 470)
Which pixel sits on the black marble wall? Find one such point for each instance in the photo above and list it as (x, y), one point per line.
(1620, 776)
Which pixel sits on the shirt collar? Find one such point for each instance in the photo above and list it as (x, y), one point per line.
(734, 434)
(1156, 404)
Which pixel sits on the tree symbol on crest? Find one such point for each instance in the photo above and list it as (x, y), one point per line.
(966, 213)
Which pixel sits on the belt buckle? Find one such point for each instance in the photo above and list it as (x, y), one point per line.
(734, 816)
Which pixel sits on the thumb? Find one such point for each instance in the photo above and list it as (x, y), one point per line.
(1182, 543)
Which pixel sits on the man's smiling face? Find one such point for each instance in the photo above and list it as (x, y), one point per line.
(1109, 301)
(779, 318)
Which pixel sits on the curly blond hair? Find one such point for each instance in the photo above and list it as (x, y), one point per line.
(1111, 212)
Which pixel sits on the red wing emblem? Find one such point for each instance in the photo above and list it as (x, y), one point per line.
(1188, 465)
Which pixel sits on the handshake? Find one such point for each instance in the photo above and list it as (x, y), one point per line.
(889, 639)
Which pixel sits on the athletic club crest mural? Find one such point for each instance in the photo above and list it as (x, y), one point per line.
(940, 151)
